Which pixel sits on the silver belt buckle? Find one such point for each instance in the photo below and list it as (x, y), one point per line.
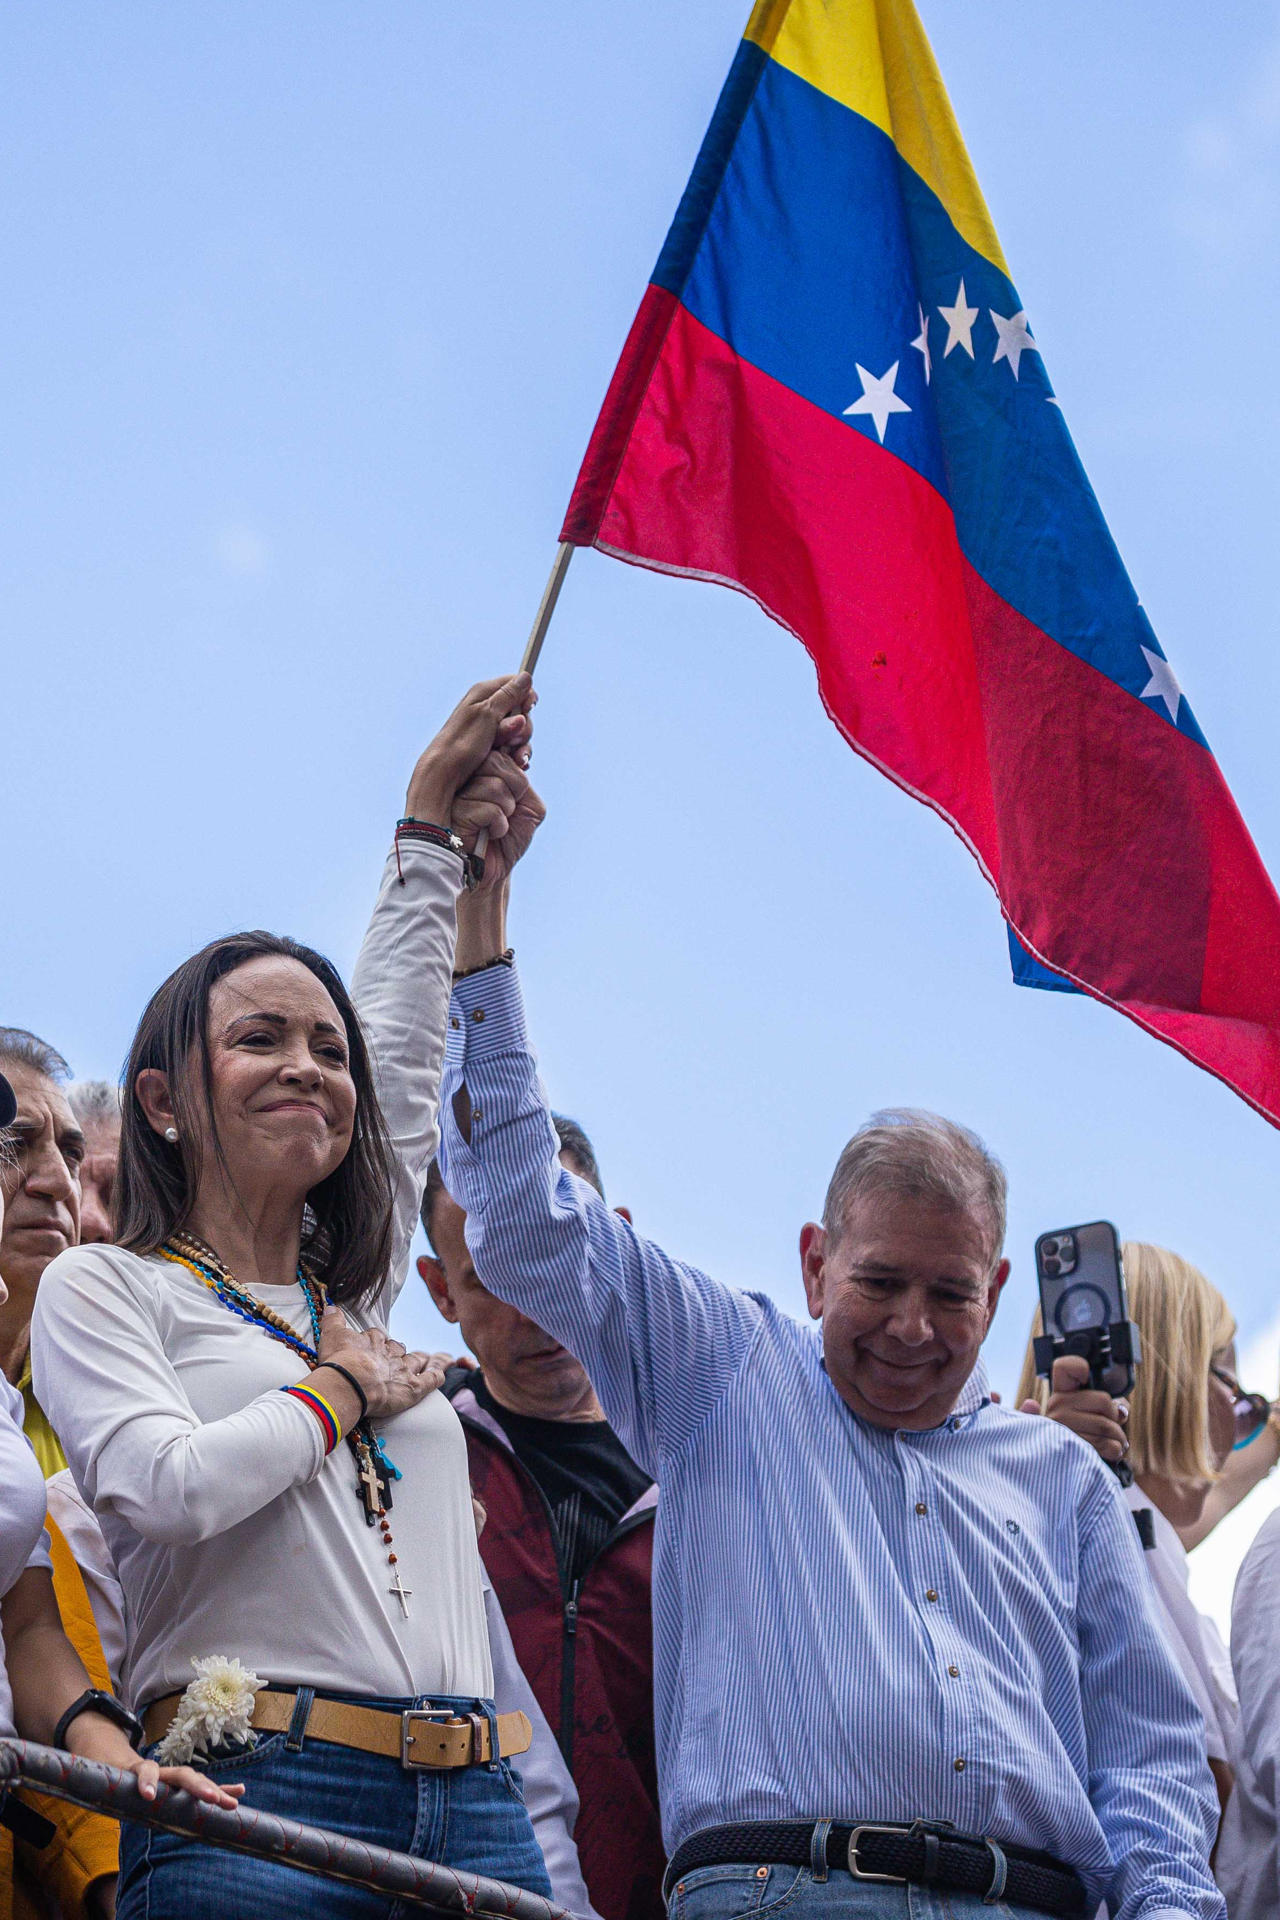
(406, 1735)
(860, 1873)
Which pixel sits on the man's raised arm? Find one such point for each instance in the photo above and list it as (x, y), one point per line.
(660, 1341)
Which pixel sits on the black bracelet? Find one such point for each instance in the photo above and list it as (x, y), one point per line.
(411, 829)
(95, 1701)
(352, 1382)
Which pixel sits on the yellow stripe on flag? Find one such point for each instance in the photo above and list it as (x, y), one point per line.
(873, 56)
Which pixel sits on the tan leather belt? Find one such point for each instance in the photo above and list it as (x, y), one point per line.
(420, 1737)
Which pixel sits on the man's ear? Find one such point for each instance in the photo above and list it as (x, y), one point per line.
(432, 1271)
(624, 1213)
(995, 1288)
(154, 1097)
(813, 1266)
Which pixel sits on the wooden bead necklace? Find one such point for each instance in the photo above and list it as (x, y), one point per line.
(374, 1471)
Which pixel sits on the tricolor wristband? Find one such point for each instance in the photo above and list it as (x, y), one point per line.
(323, 1412)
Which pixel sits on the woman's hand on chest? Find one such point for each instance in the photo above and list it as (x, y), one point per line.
(390, 1377)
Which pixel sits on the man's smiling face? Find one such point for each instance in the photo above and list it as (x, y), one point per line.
(905, 1289)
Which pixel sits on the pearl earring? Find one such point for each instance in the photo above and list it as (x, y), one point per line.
(171, 1135)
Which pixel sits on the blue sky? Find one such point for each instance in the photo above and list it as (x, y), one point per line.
(309, 309)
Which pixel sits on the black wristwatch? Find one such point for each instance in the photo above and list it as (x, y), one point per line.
(95, 1701)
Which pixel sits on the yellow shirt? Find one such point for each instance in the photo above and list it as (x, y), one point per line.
(37, 1429)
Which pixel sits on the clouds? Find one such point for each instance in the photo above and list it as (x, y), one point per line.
(241, 552)
(1228, 203)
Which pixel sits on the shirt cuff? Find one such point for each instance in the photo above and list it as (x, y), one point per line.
(486, 1015)
(410, 857)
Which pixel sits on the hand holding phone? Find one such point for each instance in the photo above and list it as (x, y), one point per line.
(1087, 1411)
(1084, 1306)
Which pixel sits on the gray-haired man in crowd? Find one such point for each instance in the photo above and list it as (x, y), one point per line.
(96, 1105)
(904, 1638)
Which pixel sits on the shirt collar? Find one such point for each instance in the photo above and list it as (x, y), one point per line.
(976, 1392)
(972, 1398)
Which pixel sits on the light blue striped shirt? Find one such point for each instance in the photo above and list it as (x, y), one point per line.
(852, 1623)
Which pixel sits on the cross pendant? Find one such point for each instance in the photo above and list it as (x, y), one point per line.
(369, 1487)
(403, 1594)
(384, 1483)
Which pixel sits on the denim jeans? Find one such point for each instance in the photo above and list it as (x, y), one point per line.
(761, 1893)
(467, 1817)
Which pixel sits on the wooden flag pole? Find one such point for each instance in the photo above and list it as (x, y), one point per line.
(533, 649)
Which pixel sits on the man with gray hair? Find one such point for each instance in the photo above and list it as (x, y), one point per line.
(96, 1105)
(40, 1180)
(903, 1637)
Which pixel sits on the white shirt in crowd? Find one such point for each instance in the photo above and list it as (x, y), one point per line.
(231, 1530)
(1249, 1851)
(23, 1541)
(1197, 1645)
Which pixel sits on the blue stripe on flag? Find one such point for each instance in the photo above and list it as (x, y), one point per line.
(817, 255)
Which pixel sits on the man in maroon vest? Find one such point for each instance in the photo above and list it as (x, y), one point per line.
(568, 1543)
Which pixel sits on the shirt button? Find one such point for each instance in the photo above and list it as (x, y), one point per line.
(931, 1594)
(954, 1672)
(478, 1014)
(921, 1507)
(958, 1765)
(955, 1426)
(454, 1022)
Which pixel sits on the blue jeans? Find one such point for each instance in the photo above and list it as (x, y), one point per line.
(467, 1817)
(761, 1893)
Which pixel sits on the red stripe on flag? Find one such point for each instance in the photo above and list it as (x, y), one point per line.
(732, 476)
(1111, 838)
(626, 393)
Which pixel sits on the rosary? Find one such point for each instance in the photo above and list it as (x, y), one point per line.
(374, 1471)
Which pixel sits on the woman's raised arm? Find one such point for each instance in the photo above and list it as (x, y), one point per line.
(470, 776)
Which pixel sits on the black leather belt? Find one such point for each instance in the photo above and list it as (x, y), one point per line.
(926, 1854)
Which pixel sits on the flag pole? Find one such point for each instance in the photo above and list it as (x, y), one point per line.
(533, 649)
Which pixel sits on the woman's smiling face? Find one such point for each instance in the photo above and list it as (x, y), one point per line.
(284, 1101)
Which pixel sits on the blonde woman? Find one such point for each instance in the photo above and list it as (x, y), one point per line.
(1185, 1420)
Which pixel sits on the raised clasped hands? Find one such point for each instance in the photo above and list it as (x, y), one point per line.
(473, 775)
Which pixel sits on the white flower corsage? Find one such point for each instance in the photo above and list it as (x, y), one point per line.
(216, 1707)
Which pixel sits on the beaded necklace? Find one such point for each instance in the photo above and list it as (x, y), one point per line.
(374, 1471)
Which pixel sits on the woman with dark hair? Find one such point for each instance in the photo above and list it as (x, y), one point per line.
(283, 1491)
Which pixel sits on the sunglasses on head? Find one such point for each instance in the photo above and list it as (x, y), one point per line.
(1250, 1411)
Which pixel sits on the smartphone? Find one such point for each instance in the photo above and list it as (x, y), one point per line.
(1084, 1304)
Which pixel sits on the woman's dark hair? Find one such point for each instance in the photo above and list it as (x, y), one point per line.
(346, 1235)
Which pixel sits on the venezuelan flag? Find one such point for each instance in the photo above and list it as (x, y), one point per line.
(832, 399)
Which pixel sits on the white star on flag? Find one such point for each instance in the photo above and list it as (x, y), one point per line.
(959, 319)
(921, 344)
(1162, 684)
(1015, 339)
(878, 398)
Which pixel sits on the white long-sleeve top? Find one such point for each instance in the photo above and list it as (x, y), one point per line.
(1193, 1639)
(23, 1541)
(231, 1531)
(1248, 1863)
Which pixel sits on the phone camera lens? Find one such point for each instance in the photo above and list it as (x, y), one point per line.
(1050, 1246)
(1051, 1266)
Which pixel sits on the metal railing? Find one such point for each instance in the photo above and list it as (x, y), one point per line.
(332, 1856)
